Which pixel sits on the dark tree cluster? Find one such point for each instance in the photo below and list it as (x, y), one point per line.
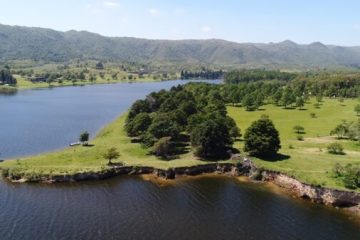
(245, 76)
(6, 77)
(204, 74)
(167, 121)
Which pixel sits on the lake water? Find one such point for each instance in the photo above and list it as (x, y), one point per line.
(34, 121)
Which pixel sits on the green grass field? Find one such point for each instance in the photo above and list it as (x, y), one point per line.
(309, 160)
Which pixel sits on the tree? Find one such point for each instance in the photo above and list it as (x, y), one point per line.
(138, 125)
(164, 126)
(357, 109)
(287, 97)
(247, 102)
(335, 148)
(319, 97)
(210, 139)
(99, 65)
(340, 130)
(84, 137)
(262, 138)
(112, 153)
(163, 147)
(300, 102)
(299, 129)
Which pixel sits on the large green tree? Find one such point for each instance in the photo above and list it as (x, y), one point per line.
(262, 138)
(211, 139)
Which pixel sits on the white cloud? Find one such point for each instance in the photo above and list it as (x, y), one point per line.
(93, 9)
(110, 3)
(179, 11)
(206, 29)
(153, 11)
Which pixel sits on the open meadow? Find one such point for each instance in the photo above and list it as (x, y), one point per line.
(307, 159)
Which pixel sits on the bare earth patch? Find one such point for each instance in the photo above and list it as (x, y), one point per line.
(326, 139)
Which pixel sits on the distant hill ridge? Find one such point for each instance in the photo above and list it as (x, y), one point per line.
(50, 45)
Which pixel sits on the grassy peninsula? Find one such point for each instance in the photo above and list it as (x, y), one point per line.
(84, 159)
(308, 160)
(202, 117)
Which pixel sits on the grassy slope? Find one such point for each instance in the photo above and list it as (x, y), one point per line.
(80, 159)
(309, 160)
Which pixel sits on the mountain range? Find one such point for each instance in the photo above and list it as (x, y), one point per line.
(23, 43)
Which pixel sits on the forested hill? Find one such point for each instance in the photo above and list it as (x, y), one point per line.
(49, 45)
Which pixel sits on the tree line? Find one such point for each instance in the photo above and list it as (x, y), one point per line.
(203, 74)
(334, 85)
(6, 77)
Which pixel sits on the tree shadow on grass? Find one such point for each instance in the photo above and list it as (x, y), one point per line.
(89, 145)
(274, 158)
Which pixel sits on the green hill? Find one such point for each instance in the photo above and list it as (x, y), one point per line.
(25, 43)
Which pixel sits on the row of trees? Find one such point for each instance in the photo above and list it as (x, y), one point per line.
(203, 74)
(340, 85)
(254, 75)
(253, 95)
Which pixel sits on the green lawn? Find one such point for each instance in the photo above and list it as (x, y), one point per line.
(81, 159)
(309, 160)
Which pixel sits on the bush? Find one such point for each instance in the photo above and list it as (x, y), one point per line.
(300, 137)
(299, 129)
(313, 115)
(350, 175)
(335, 148)
(163, 148)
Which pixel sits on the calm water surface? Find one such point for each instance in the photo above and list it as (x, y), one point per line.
(34, 121)
(131, 208)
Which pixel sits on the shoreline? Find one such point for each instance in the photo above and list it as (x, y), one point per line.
(81, 84)
(342, 199)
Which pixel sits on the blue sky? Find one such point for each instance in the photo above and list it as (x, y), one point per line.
(303, 21)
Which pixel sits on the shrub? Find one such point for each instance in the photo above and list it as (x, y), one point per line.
(163, 147)
(299, 129)
(350, 175)
(300, 137)
(335, 148)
